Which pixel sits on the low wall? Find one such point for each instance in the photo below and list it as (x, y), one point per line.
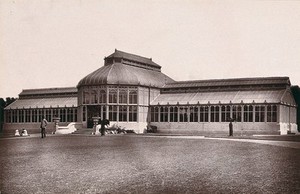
(217, 128)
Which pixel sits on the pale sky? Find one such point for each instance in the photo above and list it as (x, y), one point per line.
(55, 43)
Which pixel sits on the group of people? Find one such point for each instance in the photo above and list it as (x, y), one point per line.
(22, 133)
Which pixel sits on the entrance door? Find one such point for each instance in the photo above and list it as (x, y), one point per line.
(95, 111)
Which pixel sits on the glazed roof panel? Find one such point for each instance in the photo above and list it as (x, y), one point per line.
(220, 97)
(43, 103)
(119, 73)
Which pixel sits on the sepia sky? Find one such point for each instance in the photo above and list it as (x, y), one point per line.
(55, 43)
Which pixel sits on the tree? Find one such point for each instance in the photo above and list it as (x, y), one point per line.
(3, 104)
(9, 100)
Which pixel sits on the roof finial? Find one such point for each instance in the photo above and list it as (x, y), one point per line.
(115, 50)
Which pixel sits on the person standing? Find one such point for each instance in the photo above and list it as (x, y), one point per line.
(230, 127)
(44, 124)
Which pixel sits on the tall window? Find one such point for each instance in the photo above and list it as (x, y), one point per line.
(248, 113)
(214, 114)
(163, 114)
(63, 115)
(237, 113)
(69, 115)
(86, 98)
(122, 113)
(271, 113)
(225, 112)
(112, 96)
(123, 96)
(75, 114)
(102, 96)
(27, 115)
(94, 97)
(203, 113)
(55, 112)
(113, 110)
(34, 116)
(183, 114)
(259, 113)
(173, 114)
(194, 114)
(154, 114)
(48, 115)
(14, 116)
(83, 113)
(8, 116)
(132, 113)
(132, 97)
(41, 114)
(21, 116)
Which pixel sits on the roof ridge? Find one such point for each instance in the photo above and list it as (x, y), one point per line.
(232, 79)
(133, 57)
(54, 88)
(133, 54)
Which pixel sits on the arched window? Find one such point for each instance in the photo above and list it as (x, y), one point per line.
(132, 97)
(194, 114)
(94, 97)
(237, 113)
(248, 113)
(225, 113)
(102, 96)
(154, 114)
(163, 114)
(86, 98)
(203, 113)
(173, 114)
(123, 96)
(112, 96)
(214, 114)
(259, 113)
(183, 114)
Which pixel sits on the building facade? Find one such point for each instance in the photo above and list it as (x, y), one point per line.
(133, 93)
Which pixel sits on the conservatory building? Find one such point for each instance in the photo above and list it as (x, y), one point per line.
(132, 93)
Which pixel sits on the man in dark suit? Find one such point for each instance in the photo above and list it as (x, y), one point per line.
(44, 124)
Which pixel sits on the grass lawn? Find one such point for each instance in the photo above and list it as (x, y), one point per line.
(139, 164)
